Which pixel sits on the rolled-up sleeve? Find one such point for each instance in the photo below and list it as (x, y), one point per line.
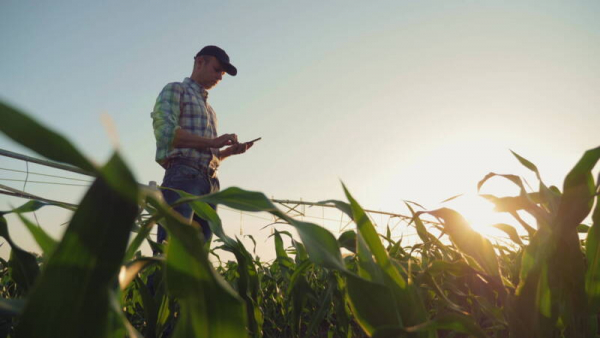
(165, 119)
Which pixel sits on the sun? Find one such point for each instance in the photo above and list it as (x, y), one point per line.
(480, 214)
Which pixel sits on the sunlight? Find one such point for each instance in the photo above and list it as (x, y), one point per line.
(480, 214)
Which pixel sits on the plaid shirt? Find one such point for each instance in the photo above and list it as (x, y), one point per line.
(183, 105)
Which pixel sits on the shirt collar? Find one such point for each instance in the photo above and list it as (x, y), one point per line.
(197, 87)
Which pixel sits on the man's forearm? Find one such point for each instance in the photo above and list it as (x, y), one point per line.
(185, 139)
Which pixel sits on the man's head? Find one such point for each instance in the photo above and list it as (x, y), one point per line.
(210, 64)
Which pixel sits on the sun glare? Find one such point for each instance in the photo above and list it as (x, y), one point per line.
(480, 214)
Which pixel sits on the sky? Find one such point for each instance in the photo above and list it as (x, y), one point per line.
(400, 100)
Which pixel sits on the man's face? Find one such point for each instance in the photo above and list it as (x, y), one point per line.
(211, 72)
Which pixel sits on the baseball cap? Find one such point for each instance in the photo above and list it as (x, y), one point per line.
(221, 56)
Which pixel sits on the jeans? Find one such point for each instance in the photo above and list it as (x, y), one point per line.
(192, 181)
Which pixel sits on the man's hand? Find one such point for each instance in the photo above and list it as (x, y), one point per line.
(235, 149)
(224, 140)
(240, 148)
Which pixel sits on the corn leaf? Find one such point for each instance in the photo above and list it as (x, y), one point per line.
(209, 307)
(510, 231)
(592, 253)
(46, 243)
(469, 241)
(74, 286)
(578, 191)
(23, 264)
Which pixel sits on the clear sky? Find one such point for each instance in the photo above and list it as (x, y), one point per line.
(401, 100)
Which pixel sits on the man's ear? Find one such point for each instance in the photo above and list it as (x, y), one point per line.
(198, 62)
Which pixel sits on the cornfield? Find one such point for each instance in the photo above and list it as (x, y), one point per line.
(94, 282)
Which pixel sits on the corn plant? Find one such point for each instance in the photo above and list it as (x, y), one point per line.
(94, 281)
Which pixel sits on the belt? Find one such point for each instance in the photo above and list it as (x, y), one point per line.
(190, 162)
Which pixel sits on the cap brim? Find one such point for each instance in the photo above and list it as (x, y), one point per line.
(230, 69)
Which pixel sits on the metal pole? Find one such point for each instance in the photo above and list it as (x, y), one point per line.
(45, 162)
(18, 193)
(333, 206)
(368, 211)
(153, 186)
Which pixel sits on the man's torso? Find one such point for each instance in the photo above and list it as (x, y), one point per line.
(196, 116)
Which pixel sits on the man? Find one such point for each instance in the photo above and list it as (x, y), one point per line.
(185, 127)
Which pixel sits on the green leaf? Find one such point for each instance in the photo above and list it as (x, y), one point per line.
(74, 286)
(367, 268)
(458, 268)
(322, 247)
(592, 253)
(367, 231)
(298, 293)
(530, 311)
(548, 196)
(11, 307)
(508, 203)
(209, 307)
(407, 298)
(34, 206)
(578, 191)
(527, 164)
(342, 206)
(372, 304)
(143, 233)
(240, 199)
(429, 280)
(297, 275)
(301, 254)
(510, 231)
(453, 322)
(46, 243)
(425, 235)
(130, 270)
(23, 264)
(159, 308)
(524, 201)
(469, 241)
(248, 284)
(318, 316)
(253, 242)
(119, 325)
(279, 249)
(149, 305)
(348, 240)
(33, 135)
